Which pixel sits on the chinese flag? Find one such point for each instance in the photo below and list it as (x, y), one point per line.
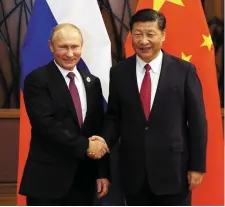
(188, 37)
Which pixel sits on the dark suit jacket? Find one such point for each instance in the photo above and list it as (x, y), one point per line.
(172, 141)
(58, 145)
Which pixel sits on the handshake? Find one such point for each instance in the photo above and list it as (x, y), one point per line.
(97, 147)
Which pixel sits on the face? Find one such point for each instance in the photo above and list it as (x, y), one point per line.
(66, 47)
(147, 39)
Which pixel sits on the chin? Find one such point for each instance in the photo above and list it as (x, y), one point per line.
(145, 57)
(68, 67)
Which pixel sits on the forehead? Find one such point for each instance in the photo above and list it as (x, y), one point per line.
(67, 34)
(150, 25)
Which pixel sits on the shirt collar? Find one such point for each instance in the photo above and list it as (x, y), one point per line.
(155, 63)
(65, 72)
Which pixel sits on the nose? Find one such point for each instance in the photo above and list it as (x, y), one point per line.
(69, 53)
(144, 40)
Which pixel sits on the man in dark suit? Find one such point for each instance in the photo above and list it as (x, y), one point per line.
(156, 108)
(65, 108)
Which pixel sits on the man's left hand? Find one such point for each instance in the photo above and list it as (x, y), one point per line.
(194, 179)
(102, 187)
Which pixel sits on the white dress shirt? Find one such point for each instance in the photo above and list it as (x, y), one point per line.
(80, 86)
(156, 65)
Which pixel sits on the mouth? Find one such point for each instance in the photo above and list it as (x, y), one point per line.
(145, 49)
(69, 61)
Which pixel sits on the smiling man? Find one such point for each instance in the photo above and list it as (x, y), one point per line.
(65, 107)
(156, 108)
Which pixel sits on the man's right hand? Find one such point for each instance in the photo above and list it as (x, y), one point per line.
(97, 147)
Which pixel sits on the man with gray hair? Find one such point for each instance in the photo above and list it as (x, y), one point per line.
(65, 107)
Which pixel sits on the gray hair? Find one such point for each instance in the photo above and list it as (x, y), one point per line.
(63, 25)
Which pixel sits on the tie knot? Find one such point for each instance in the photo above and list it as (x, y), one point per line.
(147, 67)
(71, 75)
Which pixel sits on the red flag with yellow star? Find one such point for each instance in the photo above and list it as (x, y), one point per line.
(188, 37)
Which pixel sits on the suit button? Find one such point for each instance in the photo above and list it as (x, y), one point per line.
(146, 128)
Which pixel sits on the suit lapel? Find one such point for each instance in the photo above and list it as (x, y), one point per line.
(62, 89)
(87, 80)
(163, 82)
(135, 91)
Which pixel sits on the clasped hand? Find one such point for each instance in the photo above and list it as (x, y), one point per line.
(97, 147)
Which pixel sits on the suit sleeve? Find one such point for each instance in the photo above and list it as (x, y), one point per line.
(111, 125)
(197, 124)
(41, 114)
(104, 167)
(104, 162)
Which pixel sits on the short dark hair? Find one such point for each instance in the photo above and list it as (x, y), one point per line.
(148, 15)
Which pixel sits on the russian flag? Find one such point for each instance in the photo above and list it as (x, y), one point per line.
(96, 55)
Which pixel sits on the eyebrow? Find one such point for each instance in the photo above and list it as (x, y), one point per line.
(139, 30)
(68, 45)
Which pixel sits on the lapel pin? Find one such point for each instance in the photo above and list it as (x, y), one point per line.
(88, 79)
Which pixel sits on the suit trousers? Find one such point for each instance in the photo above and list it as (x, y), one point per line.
(78, 195)
(145, 197)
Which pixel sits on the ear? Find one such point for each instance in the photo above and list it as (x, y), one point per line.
(164, 36)
(50, 45)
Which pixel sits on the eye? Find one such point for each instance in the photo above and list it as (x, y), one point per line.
(62, 46)
(75, 47)
(151, 34)
(137, 34)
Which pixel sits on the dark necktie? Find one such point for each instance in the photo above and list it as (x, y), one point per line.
(145, 92)
(75, 96)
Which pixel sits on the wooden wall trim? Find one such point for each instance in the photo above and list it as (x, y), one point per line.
(7, 194)
(9, 113)
(8, 188)
(15, 113)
